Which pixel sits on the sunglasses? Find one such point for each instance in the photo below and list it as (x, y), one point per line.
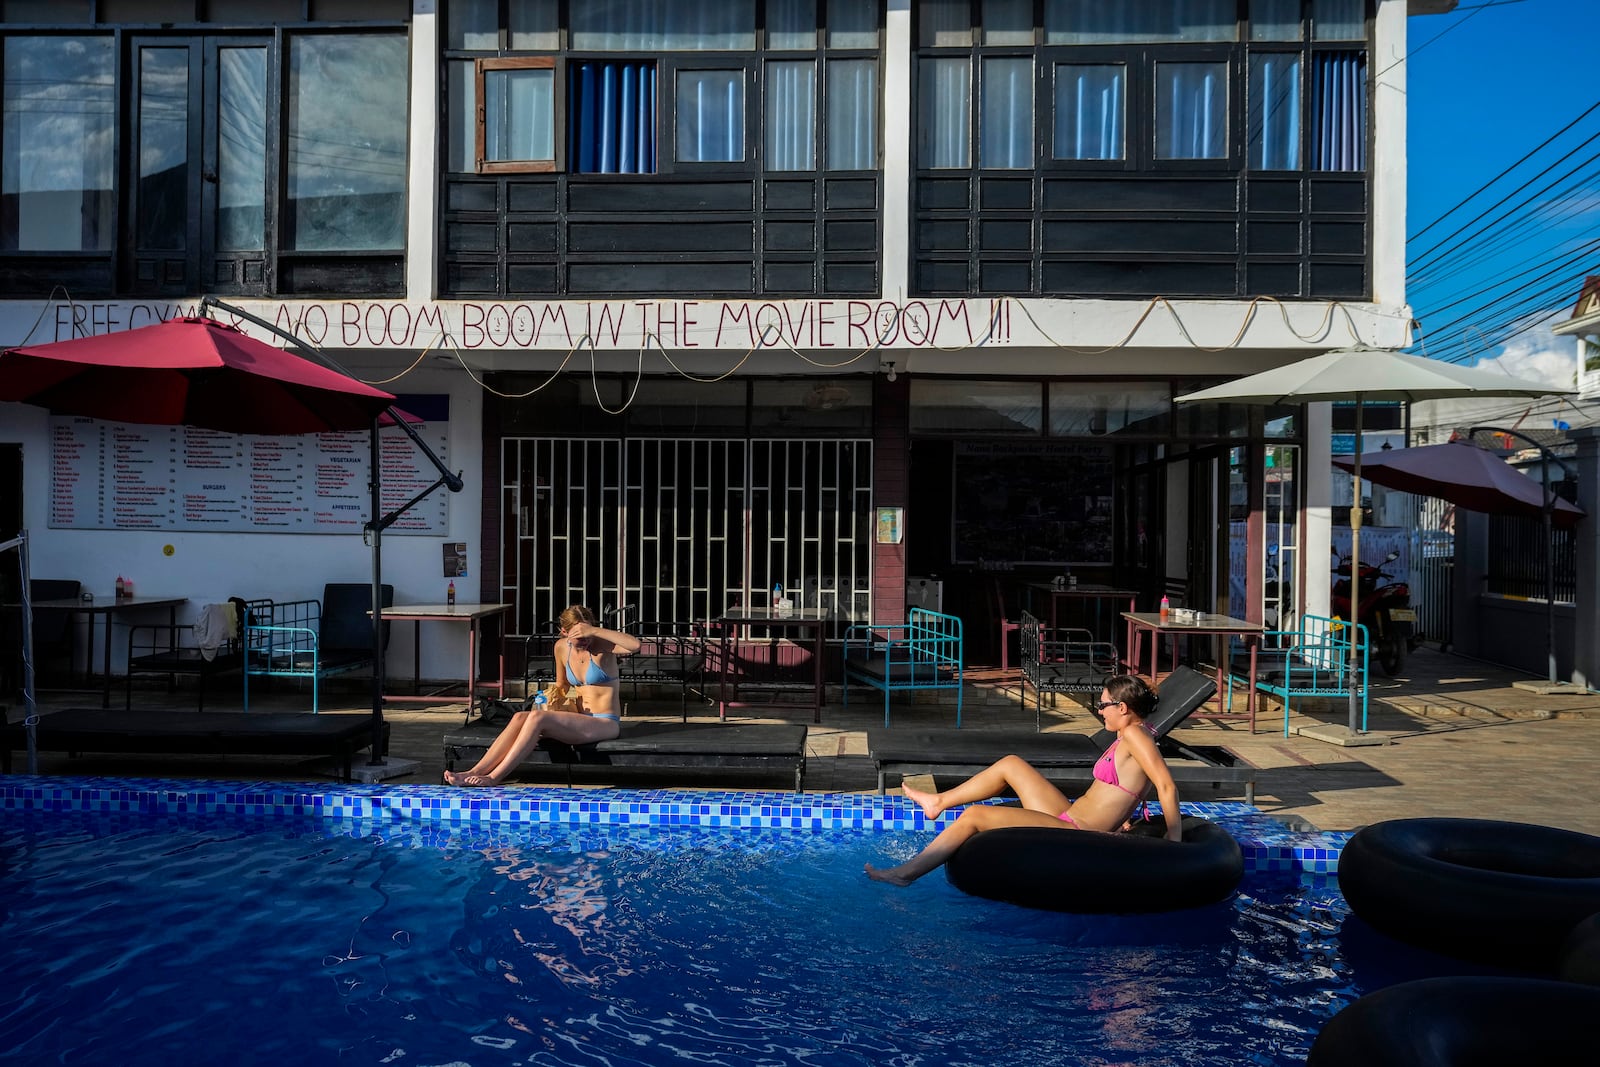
(1102, 705)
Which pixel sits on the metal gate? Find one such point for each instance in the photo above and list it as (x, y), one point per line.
(1433, 556)
(681, 529)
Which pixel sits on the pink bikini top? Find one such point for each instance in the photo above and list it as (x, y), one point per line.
(1105, 768)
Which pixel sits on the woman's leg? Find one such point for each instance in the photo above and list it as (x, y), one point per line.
(565, 726)
(497, 750)
(952, 837)
(1013, 772)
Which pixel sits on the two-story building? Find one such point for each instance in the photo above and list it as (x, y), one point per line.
(705, 296)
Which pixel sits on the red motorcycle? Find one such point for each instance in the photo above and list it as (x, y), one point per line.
(1385, 610)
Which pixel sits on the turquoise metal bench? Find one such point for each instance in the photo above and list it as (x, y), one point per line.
(925, 653)
(314, 639)
(1311, 661)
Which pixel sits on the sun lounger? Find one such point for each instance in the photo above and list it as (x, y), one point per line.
(77, 730)
(746, 748)
(1063, 757)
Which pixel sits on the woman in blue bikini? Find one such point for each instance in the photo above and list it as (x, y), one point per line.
(586, 657)
(1122, 777)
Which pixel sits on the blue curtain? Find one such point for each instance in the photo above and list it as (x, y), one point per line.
(612, 118)
(1339, 112)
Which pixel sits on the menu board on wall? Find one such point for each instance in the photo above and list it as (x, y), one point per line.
(119, 476)
(1032, 502)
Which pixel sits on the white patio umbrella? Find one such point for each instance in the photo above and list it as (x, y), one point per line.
(1361, 373)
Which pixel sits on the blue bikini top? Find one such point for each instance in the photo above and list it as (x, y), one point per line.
(592, 675)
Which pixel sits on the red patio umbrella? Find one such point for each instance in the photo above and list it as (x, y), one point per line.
(195, 371)
(188, 372)
(1466, 476)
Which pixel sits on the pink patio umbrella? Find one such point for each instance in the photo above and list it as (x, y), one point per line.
(195, 371)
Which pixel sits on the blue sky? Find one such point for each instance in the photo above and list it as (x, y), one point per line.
(1487, 84)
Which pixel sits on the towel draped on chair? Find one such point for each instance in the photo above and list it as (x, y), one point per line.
(217, 625)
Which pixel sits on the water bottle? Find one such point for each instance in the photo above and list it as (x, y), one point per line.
(1166, 609)
(450, 595)
(777, 594)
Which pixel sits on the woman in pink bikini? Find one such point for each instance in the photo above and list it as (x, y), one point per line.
(586, 659)
(1122, 777)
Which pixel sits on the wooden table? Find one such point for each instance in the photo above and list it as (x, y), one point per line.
(109, 607)
(470, 614)
(1081, 591)
(1142, 622)
(802, 620)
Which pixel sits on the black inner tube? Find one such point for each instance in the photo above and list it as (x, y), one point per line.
(1479, 889)
(1089, 872)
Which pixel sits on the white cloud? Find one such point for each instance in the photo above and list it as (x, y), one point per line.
(1537, 355)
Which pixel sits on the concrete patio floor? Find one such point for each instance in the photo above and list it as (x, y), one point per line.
(1463, 742)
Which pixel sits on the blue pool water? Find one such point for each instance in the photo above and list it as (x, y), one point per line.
(170, 936)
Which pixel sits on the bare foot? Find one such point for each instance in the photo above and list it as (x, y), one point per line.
(453, 777)
(928, 802)
(474, 779)
(887, 874)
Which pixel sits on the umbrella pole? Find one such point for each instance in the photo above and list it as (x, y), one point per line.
(30, 710)
(1549, 565)
(1355, 576)
(374, 484)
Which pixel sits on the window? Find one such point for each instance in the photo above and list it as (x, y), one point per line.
(519, 106)
(1090, 111)
(852, 114)
(1007, 114)
(1275, 114)
(1339, 118)
(611, 107)
(710, 125)
(346, 173)
(946, 85)
(792, 115)
(56, 191)
(1080, 22)
(1191, 110)
(594, 109)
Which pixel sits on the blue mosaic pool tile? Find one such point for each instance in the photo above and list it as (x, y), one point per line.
(1267, 844)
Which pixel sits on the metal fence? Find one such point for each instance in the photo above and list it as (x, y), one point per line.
(1517, 559)
(1433, 560)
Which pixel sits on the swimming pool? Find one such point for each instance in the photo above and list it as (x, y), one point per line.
(150, 922)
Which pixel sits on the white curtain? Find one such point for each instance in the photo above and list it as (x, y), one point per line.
(852, 114)
(791, 24)
(1274, 111)
(1139, 21)
(1191, 110)
(664, 25)
(944, 23)
(945, 89)
(1339, 20)
(792, 115)
(1275, 20)
(519, 109)
(1091, 101)
(1006, 118)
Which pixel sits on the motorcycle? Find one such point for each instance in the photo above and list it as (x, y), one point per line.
(1384, 609)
